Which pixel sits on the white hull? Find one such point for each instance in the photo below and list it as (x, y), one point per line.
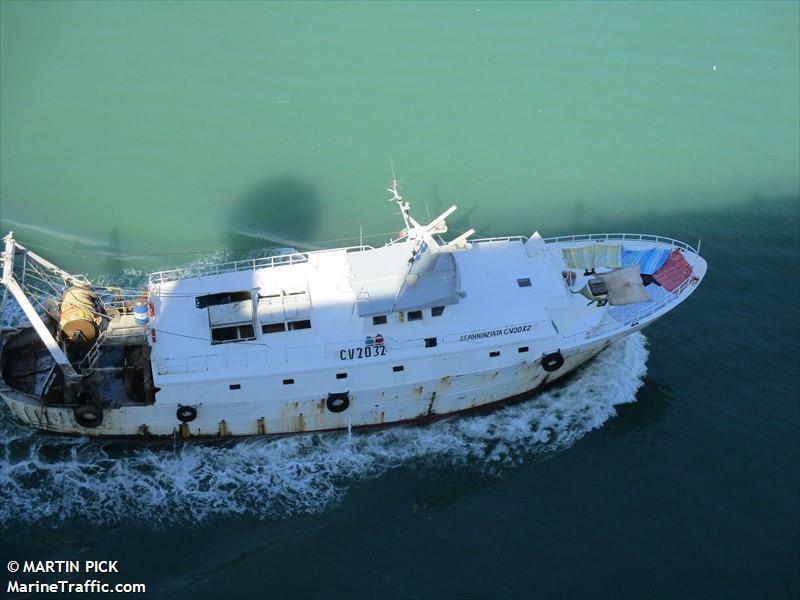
(453, 387)
(347, 338)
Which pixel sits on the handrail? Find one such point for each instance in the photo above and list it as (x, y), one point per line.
(502, 238)
(91, 356)
(641, 237)
(253, 264)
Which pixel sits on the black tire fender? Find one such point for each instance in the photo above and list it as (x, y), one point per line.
(88, 415)
(553, 361)
(185, 413)
(338, 402)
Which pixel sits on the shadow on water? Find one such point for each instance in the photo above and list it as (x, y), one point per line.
(280, 211)
(114, 262)
(457, 223)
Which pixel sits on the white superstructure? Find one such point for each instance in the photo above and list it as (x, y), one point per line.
(350, 337)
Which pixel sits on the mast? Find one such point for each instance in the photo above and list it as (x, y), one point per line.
(12, 286)
(425, 246)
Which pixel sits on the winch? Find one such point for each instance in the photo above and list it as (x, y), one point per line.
(79, 314)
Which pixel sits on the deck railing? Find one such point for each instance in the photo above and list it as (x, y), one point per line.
(252, 264)
(634, 237)
(505, 238)
(648, 310)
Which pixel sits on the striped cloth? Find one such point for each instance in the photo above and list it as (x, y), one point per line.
(608, 255)
(593, 255)
(649, 261)
(674, 272)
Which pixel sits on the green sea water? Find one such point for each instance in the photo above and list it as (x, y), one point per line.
(146, 128)
(140, 135)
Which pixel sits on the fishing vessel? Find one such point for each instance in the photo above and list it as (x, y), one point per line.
(417, 329)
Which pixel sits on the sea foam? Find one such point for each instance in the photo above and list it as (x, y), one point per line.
(46, 479)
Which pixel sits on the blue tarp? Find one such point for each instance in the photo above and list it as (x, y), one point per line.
(649, 261)
(624, 312)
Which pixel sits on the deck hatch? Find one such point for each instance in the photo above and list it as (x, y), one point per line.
(230, 316)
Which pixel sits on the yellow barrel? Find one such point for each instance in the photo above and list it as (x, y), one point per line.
(78, 319)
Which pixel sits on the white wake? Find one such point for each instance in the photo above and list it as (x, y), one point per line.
(47, 480)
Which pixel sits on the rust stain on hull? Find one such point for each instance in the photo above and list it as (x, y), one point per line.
(430, 404)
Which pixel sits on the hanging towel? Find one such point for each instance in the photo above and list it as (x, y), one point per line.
(608, 255)
(593, 255)
(674, 272)
(649, 261)
(579, 258)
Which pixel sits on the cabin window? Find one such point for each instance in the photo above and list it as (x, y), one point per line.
(288, 381)
(273, 327)
(398, 368)
(230, 316)
(235, 333)
(430, 342)
(235, 386)
(341, 376)
(522, 349)
(284, 310)
(379, 320)
(494, 354)
(524, 282)
(415, 315)
(437, 311)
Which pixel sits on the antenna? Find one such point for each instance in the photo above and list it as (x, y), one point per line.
(396, 197)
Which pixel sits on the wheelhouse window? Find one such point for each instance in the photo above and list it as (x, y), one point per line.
(273, 327)
(415, 315)
(284, 310)
(234, 333)
(437, 311)
(524, 282)
(379, 320)
(230, 316)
